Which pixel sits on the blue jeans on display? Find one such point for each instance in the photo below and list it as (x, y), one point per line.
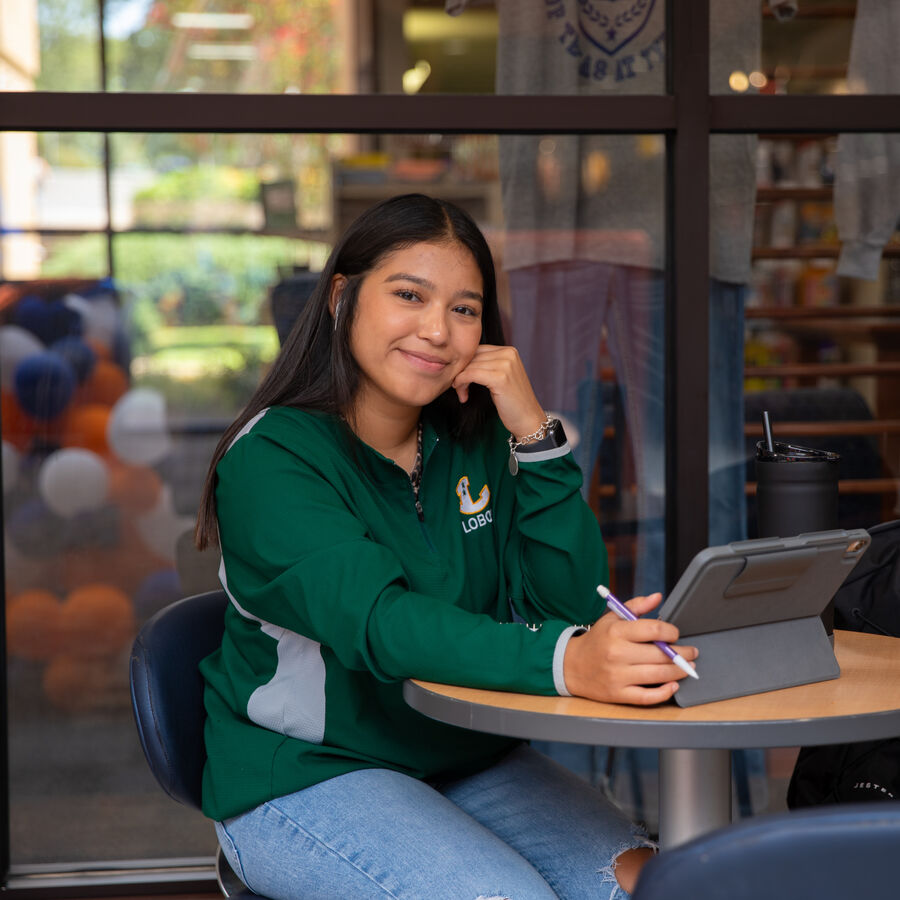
(560, 314)
(524, 829)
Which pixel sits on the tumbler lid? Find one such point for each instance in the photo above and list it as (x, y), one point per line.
(783, 452)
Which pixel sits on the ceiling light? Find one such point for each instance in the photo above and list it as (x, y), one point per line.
(213, 21)
(240, 52)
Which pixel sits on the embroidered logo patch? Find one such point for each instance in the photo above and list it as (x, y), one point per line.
(467, 505)
(475, 511)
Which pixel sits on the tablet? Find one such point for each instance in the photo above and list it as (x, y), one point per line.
(753, 608)
(765, 580)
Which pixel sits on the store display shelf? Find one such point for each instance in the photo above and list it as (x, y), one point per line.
(831, 427)
(822, 312)
(813, 251)
(854, 486)
(807, 194)
(822, 370)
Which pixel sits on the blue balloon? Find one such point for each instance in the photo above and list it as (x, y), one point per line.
(50, 320)
(156, 591)
(94, 528)
(44, 384)
(79, 354)
(36, 530)
(121, 349)
(103, 287)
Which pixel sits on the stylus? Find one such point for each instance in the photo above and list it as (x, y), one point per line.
(623, 612)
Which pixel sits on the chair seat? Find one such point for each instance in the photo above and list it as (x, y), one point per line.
(827, 852)
(167, 702)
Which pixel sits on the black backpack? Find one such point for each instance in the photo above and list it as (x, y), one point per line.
(869, 601)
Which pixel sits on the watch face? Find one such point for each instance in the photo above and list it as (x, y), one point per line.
(558, 433)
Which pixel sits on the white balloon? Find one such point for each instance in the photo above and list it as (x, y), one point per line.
(73, 480)
(10, 466)
(15, 344)
(162, 526)
(101, 317)
(137, 430)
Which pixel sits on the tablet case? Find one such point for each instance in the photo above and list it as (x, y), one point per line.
(753, 608)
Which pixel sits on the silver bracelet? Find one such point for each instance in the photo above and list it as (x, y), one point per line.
(532, 438)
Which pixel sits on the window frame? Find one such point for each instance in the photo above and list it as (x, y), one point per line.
(686, 116)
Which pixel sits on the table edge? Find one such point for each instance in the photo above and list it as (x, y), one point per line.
(725, 734)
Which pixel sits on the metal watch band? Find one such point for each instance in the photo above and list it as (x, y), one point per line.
(556, 437)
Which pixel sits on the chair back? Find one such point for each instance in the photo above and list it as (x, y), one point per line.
(167, 690)
(826, 852)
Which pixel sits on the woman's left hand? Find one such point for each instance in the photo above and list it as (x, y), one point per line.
(501, 371)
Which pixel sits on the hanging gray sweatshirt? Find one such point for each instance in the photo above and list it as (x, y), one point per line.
(602, 197)
(867, 176)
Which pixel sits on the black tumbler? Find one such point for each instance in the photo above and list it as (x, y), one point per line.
(796, 492)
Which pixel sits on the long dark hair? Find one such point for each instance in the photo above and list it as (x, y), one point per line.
(315, 368)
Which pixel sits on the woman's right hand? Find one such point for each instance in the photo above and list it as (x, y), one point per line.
(616, 661)
(501, 371)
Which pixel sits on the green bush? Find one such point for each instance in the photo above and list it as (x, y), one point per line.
(202, 183)
(196, 307)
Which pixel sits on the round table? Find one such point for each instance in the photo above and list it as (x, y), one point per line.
(695, 743)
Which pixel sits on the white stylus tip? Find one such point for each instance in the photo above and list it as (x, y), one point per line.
(685, 666)
(603, 590)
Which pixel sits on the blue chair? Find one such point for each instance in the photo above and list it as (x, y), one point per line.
(824, 852)
(167, 701)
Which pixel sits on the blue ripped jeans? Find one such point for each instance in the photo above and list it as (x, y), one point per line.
(524, 829)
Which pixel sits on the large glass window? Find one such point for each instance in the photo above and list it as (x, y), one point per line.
(822, 304)
(808, 47)
(115, 391)
(338, 46)
(146, 280)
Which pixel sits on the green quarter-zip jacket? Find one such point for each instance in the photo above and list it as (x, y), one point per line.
(340, 589)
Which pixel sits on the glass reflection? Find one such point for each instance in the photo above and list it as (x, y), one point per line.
(814, 47)
(52, 180)
(821, 319)
(115, 390)
(263, 47)
(332, 46)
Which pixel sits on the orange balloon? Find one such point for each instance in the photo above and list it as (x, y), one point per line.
(85, 426)
(135, 489)
(124, 566)
(32, 624)
(18, 427)
(96, 620)
(106, 383)
(76, 684)
(101, 350)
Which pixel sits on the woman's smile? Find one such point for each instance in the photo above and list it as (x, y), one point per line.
(424, 362)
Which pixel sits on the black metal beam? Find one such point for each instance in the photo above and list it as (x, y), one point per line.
(446, 113)
(687, 300)
(344, 113)
(815, 113)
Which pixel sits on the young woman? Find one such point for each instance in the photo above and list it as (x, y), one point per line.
(395, 503)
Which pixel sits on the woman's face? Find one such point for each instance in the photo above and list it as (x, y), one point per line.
(417, 325)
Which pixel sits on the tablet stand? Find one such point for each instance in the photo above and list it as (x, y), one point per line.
(758, 658)
(753, 609)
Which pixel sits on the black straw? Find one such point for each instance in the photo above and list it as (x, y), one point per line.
(767, 428)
